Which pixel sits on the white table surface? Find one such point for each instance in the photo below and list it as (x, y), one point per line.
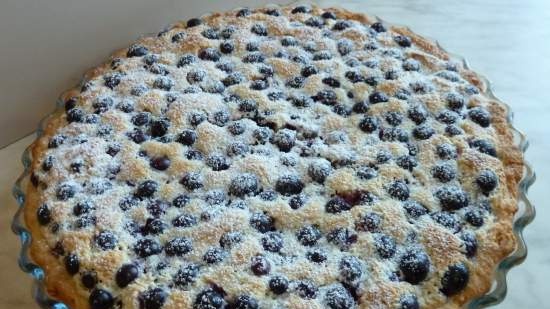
(507, 40)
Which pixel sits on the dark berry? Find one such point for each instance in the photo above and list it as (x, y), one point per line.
(418, 114)
(209, 54)
(406, 162)
(455, 101)
(112, 80)
(192, 180)
(446, 151)
(273, 12)
(370, 222)
(414, 209)
(187, 137)
(163, 83)
(262, 222)
(327, 97)
(147, 189)
(65, 191)
(470, 243)
(308, 235)
(350, 269)
(403, 41)
(101, 299)
(447, 220)
(408, 301)
(306, 289)
(444, 172)
(368, 124)
(126, 274)
(309, 70)
(331, 81)
(342, 238)
(72, 264)
(366, 172)
(260, 265)
(209, 299)
(414, 265)
(378, 97)
(193, 22)
(186, 59)
(452, 198)
(455, 279)
(337, 205)
(154, 226)
(378, 27)
(217, 162)
(178, 246)
(186, 275)
(137, 51)
(278, 284)
(75, 115)
(300, 100)
(230, 239)
(43, 214)
(146, 247)
(339, 298)
(385, 246)
(314, 21)
(160, 163)
(289, 185)
(259, 29)
(487, 181)
(484, 146)
(447, 117)
(295, 82)
(398, 190)
(89, 280)
(411, 65)
(284, 139)
(423, 132)
(153, 298)
(214, 255)
(474, 217)
(245, 302)
(106, 240)
(253, 57)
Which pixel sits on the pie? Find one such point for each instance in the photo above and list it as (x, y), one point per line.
(279, 157)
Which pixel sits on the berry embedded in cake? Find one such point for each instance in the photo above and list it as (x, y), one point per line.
(279, 157)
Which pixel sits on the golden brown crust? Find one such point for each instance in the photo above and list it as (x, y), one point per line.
(496, 242)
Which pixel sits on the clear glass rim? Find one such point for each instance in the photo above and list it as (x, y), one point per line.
(497, 293)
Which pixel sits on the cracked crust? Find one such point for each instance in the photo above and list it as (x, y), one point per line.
(496, 241)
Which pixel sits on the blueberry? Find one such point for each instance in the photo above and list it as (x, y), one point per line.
(447, 220)
(229, 239)
(65, 191)
(178, 246)
(455, 101)
(137, 50)
(344, 46)
(219, 118)
(217, 162)
(337, 205)
(214, 255)
(126, 274)
(406, 162)
(72, 263)
(385, 246)
(331, 81)
(195, 76)
(484, 146)
(259, 29)
(453, 130)
(339, 298)
(163, 83)
(327, 97)
(328, 15)
(147, 189)
(75, 115)
(146, 247)
(455, 279)
(341, 25)
(141, 119)
(210, 34)
(369, 222)
(403, 41)
(153, 298)
(186, 275)
(408, 301)
(354, 76)
(101, 299)
(209, 54)
(314, 21)
(253, 57)
(193, 22)
(306, 289)
(289, 185)
(342, 238)
(423, 132)
(106, 240)
(160, 163)
(487, 181)
(209, 299)
(309, 70)
(43, 214)
(245, 302)
(366, 172)
(154, 226)
(470, 243)
(262, 222)
(415, 266)
(319, 170)
(447, 117)
(398, 190)
(446, 151)
(474, 217)
(411, 65)
(378, 97)
(192, 180)
(368, 124)
(418, 114)
(178, 37)
(284, 139)
(342, 110)
(260, 84)
(444, 172)
(260, 265)
(89, 279)
(184, 220)
(308, 235)
(295, 82)
(187, 137)
(300, 100)
(414, 209)
(350, 269)
(378, 27)
(278, 284)
(452, 198)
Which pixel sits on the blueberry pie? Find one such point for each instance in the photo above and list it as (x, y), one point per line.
(280, 157)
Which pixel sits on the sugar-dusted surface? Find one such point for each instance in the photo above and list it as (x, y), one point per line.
(474, 64)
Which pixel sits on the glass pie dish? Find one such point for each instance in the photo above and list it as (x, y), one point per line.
(524, 215)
